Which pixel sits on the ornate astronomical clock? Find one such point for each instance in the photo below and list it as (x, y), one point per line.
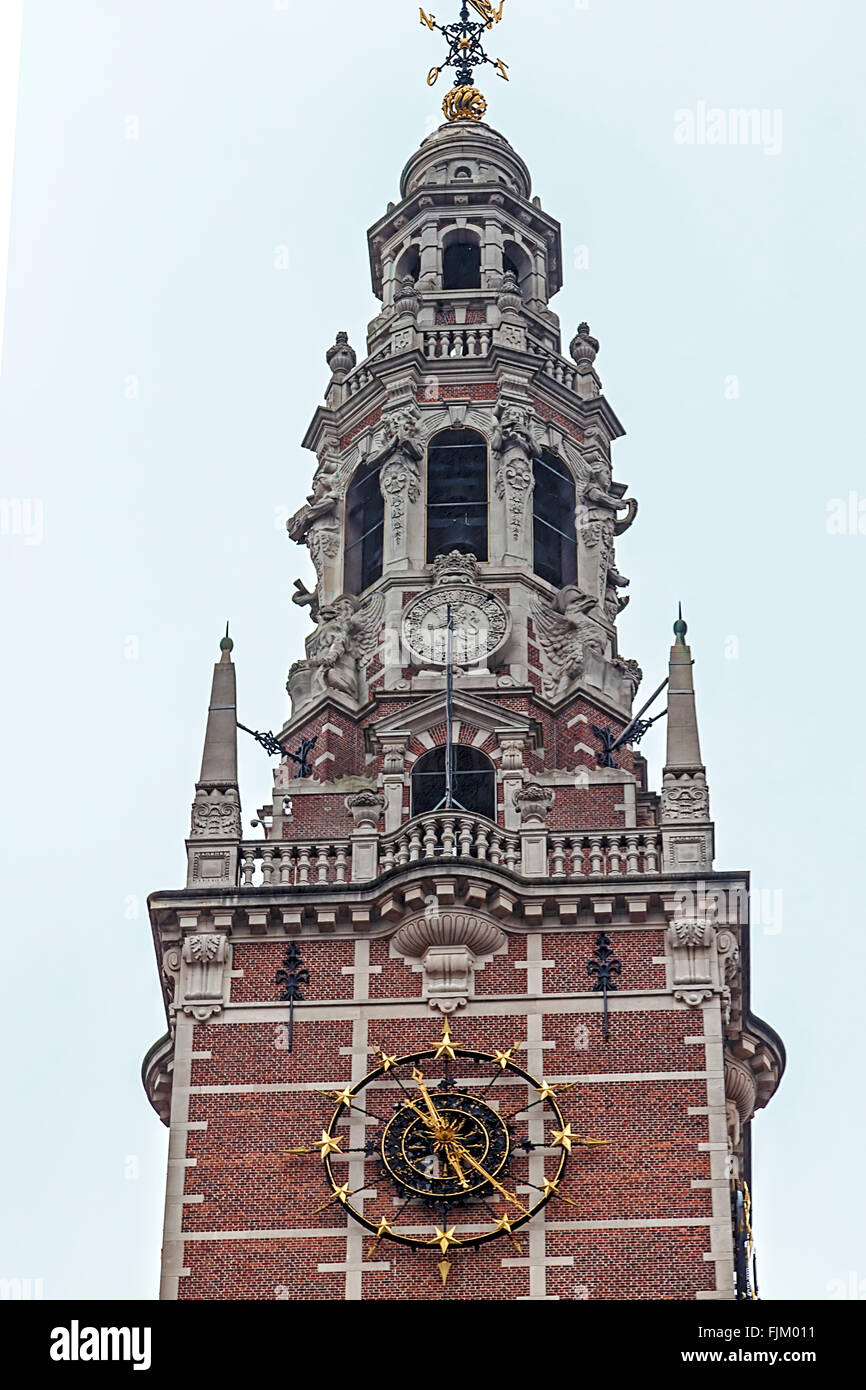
(465, 1147)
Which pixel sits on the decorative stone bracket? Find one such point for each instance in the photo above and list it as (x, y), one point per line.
(691, 941)
(204, 974)
(448, 947)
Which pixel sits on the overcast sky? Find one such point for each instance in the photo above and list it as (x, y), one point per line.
(158, 374)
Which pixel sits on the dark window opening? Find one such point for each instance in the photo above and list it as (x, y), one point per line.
(457, 494)
(555, 534)
(409, 264)
(365, 532)
(461, 266)
(474, 782)
(509, 265)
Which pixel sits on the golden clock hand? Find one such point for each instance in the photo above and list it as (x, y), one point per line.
(455, 1163)
(431, 1124)
(418, 1078)
(509, 1196)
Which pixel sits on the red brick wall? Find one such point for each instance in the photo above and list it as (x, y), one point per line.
(645, 1173)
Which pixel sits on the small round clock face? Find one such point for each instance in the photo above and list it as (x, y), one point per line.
(480, 626)
(425, 1161)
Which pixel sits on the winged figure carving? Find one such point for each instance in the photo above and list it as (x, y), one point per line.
(348, 633)
(567, 635)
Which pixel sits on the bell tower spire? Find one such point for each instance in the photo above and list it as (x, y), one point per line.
(687, 831)
(215, 825)
(473, 839)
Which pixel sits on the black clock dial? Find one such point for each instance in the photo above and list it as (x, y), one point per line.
(438, 1164)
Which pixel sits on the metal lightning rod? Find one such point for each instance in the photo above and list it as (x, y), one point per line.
(448, 802)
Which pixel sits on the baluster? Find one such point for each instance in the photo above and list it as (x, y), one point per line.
(512, 852)
(483, 342)
(340, 864)
(403, 850)
(596, 857)
(497, 840)
(615, 856)
(558, 858)
(388, 856)
(430, 839)
(285, 865)
(652, 855)
(248, 868)
(448, 837)
(481, 842)
(303, 864)
(267, 864)
(465, 833)
(632, 854)
(415, 844)
(322, 863)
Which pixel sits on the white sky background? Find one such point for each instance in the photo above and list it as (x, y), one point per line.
(10, 56)
(153, 258)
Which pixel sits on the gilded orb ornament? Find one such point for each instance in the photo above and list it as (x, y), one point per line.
(464, 104)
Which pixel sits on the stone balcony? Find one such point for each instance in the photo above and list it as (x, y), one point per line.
(534, 852)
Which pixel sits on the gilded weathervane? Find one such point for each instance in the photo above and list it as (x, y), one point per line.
(465, 53)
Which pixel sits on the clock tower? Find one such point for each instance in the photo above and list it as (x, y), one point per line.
(470, 1018)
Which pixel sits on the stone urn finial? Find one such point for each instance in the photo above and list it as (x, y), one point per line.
(510, 300)
(365, 808)
(341, 358)
(534, 802)
(583, 347)
(407, 300)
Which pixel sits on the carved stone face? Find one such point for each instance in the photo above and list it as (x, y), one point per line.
(401, 425)
(514, 417)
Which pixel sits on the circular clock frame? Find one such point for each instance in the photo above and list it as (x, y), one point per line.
(439, 1201)
(482, 625)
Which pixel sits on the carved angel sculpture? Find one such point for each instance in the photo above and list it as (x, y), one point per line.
(348, 633)
(567, 636)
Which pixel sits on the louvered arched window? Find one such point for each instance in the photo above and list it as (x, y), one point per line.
(555, 534)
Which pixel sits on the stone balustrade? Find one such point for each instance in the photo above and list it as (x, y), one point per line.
(356, 382)
(453, 835)
(293, 864)
(449, 835)
(457, 342)
(600, 855)
(554, 366)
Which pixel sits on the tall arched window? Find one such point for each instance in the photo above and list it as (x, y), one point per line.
(515, 259)
(457, 494)
(365, 530)
(408, 264)
(461, 265)
(474, 782)
(553, 502)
